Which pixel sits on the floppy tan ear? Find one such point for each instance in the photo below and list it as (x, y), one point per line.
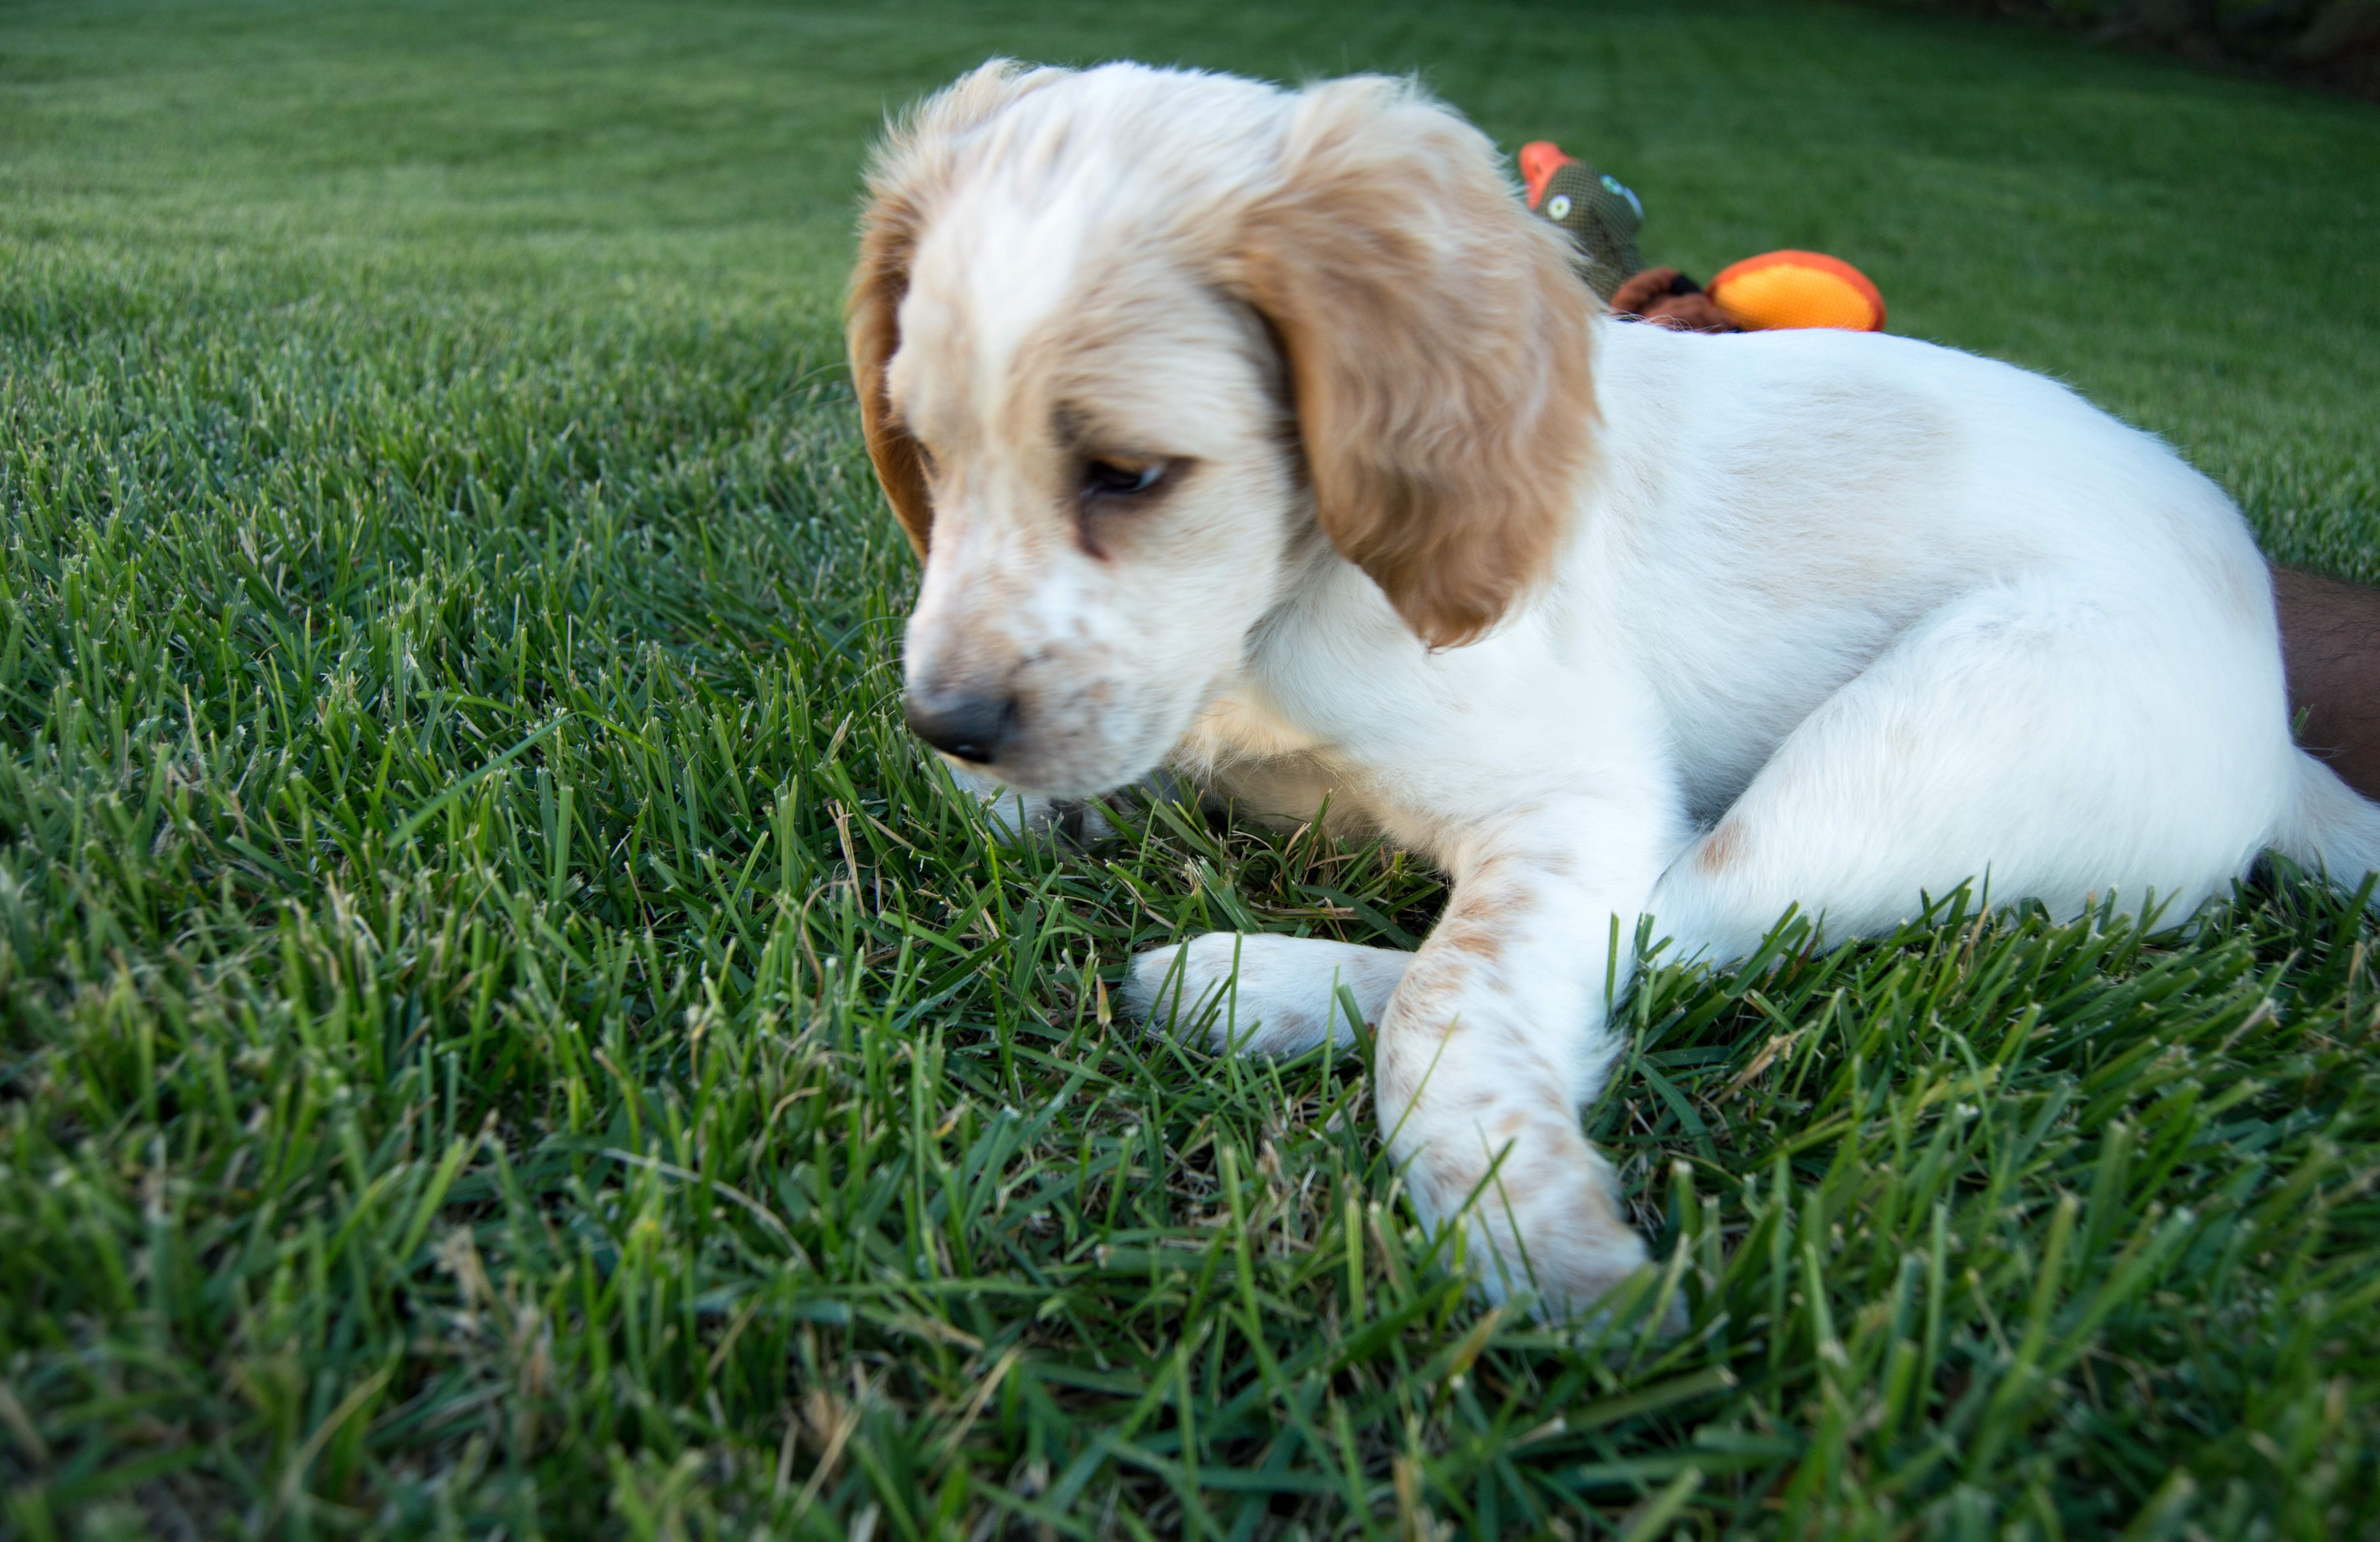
(909, 169)
(1437, 341)
(872, 331)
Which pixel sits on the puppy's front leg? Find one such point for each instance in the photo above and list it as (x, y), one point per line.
(1263, 994)
(1498, 1032)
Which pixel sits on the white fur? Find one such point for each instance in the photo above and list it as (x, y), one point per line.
(1265, 995)
(1840, 620)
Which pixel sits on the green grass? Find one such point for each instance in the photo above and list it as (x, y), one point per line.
(500, 1029)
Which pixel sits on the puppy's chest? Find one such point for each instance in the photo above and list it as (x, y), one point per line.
(1237, 726)
(1245, 753)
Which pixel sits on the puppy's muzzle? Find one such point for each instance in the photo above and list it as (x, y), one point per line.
(965, 725)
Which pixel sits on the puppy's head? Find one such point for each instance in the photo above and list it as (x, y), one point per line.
(1124, 339)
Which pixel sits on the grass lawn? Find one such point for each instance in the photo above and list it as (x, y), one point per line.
(502, 1033)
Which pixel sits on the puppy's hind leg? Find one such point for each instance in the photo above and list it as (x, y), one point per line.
(2045, 744)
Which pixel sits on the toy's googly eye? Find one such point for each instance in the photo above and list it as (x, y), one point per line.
(1558, 207)
(1624, 191)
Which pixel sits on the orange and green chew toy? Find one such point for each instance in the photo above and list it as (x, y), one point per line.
(1775, 289)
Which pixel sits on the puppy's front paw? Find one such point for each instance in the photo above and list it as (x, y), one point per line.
(1574, 1250)
(1552, 1228)
(1259, 993)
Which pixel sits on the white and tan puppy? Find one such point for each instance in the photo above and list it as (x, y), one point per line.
(1262, 432)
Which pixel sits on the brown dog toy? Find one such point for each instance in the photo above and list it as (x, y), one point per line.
(1668, 297)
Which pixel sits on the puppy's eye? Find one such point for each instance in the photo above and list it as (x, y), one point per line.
(1119, 479)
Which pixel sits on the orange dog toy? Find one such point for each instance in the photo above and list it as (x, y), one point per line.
(1797, 289)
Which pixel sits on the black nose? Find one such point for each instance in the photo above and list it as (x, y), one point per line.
(968, 727)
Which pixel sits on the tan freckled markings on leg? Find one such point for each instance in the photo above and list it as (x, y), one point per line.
(1468, 934)
(1548, 1166)
(1482, 914)
(1723, 850)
